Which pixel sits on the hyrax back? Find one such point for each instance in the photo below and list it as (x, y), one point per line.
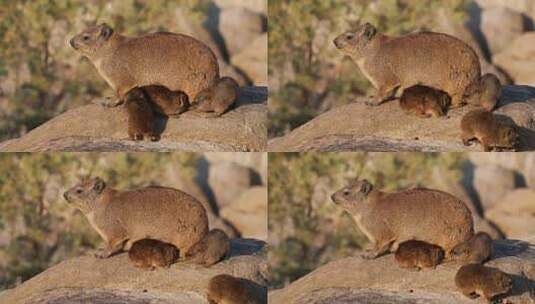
(424, 102)
(167, 102)
(178, 62)
(476, 280)
(159, 213)
(140, 116)
(388, 219)
(150, 254)
(218, 99)
(417, 255)
(395, 63)
(477, 249)
(483, 126)
(226, 289)
(211, 249)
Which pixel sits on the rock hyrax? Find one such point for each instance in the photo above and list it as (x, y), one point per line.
(477, 249)
(388, 219)
(178, 62)
(211, 249)
(216, 100)
(491, 133)
(150, 254)
(123, 217)
(165, 101)
(476, 280)
(424, 102)
(140, 116)
(417, 255)
(226, 289)
(435, 60)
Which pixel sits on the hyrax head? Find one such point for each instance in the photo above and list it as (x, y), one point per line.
(353, 42)
(507, 137)
(91, 39)
(83, 195)
(351, 196)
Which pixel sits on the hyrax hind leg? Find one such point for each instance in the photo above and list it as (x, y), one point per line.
(217, 100)
(140, 116)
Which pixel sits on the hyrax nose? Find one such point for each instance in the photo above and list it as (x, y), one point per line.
(332, 197)
(66, 196)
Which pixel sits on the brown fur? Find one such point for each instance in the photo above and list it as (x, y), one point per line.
(211, 249)
(417, 255)
(167, 102)
(123, 217)
(483, 126)
(424, 102)
(435, 60)
(150, 254)
(216, 100)
(477, 280)
(226, 289)
(140, 116)
(477, 249)
(388, 219)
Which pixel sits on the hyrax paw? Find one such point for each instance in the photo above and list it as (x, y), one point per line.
(108, 102)
(102, 254)
(368, 254)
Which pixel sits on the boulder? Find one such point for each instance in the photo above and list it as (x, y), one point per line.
(249, 213)
(526, 7)
(515, 214)
(500, 26)
(355, 280)
(114, 280)
(357, 126)
(257, 6)
(517, 59)
(492, 183)
(253, 60)
(256, 161)
(239, 27)
(524, 163)
(96, 128)
(227, 181)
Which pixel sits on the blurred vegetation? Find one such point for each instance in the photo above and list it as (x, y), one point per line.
(306, 230)
(307, 74)
(38, 229)
(41, 76)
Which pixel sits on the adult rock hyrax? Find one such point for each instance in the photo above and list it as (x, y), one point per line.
(211, 249)
(140, 116)
(388, 219)
(226, 289)
(175, 61)
(491, 133)
(424, 102)
(217, 100)
(476, 280)
(150, 254)
(417, 255)
(435, 60)
(477, 249)
(123, 217)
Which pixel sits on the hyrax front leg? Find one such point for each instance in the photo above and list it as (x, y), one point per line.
(140, 116)
(112, 247)
(376, 250)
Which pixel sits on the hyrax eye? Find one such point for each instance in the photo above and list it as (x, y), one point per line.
(349, 36)
(79, 190)
(346, 192)
(85, 37)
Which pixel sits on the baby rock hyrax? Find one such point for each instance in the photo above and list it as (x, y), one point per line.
(226, 289)
(175, 61)
(476, 280)
(424, 102)
(123, 217)
(491, 133)
(477, 249)
(417, 255)
(431, 59)
(388, 219)
(140, 116)
(150, 254)
(211, 249)
(217, 100)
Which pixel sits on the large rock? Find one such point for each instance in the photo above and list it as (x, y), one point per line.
(257, 161)
(515, 214)
(114, 280)
(249, 213)
(492, 183)
(386, 127)
(228, 180)
(253, 60)
(258, 6)
(501, 26)
(520, 162)
(95, 128)
(526, 7)
(239, 27)
(380, 281)
(517, 59)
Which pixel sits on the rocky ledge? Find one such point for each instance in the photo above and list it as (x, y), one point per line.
(357, 126)
(114, 280)
(96, 128)
(354, 280)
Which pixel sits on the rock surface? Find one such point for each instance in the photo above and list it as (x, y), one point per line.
(253, 60)
(515, 214)
(500, 26)
(239, 26)
(523, 163)
(115, 280)
(249, 213)
(228, 180)
(492, 183)
(354, 280)
(96, 128)
(517, 59)
(357, 126)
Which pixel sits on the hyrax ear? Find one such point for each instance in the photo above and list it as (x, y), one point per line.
(99, 185)
(366, 187)
(369, 30)
(105, 31)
